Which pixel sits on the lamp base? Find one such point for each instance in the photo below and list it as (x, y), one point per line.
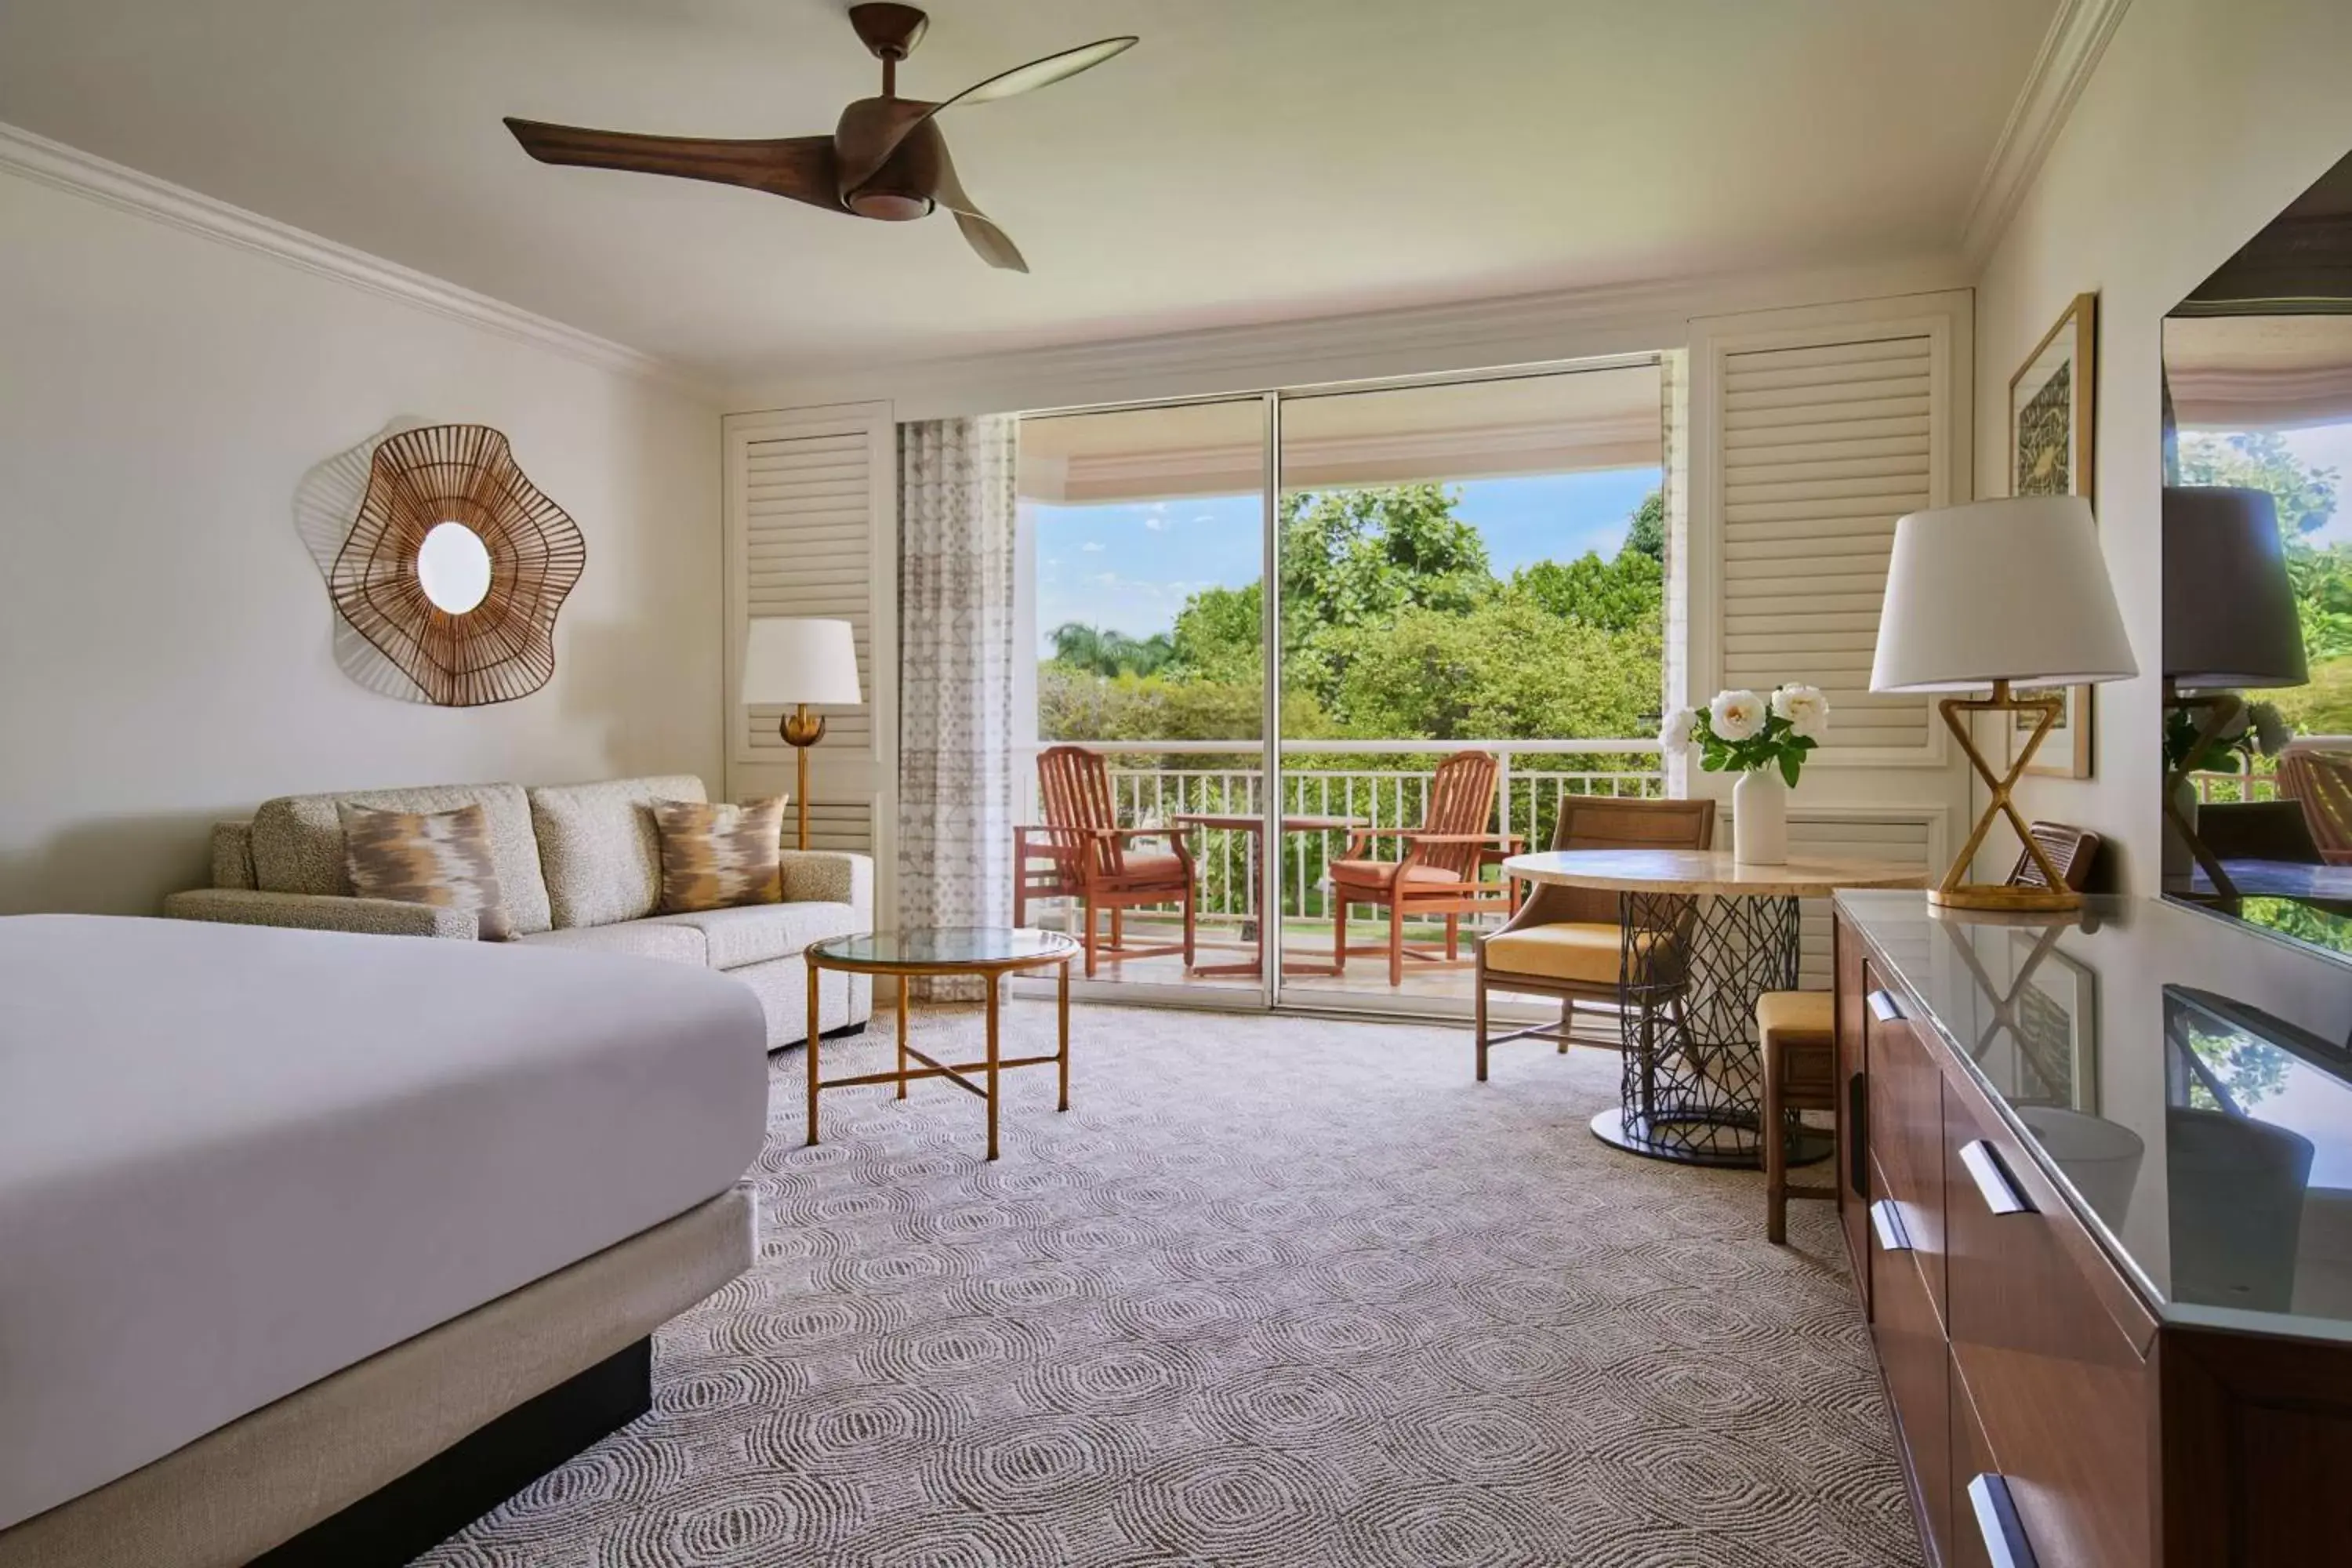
(1998, 896)
(801, 729)
(1955, 891)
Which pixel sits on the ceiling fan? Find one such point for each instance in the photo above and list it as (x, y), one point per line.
(886, 159)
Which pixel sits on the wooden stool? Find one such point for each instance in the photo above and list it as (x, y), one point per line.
(1799, 1033)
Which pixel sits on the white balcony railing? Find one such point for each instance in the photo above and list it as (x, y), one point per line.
(1535, 775)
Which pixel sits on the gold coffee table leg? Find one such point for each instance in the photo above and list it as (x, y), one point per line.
(903, 983)
(1063, 1024)
(811, 1055)
(991, 982)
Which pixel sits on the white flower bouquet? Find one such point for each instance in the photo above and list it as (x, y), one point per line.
(1741, 732)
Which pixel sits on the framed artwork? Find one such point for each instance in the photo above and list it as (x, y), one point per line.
(2052, 421)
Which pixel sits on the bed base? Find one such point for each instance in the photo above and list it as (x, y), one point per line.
(401, 1521)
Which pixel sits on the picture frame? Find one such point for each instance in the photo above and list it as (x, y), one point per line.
(2052, 434)
(2057, 1031)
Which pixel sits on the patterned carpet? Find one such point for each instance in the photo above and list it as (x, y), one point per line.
(1274, 1291)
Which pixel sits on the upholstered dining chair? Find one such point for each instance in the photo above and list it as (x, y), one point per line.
(1567, 943)
(1081, 852)
(1437, 873)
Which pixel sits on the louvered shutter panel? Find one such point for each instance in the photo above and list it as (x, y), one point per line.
(842, 826)
(1902, 837)
(1822, 448)
(808, 550)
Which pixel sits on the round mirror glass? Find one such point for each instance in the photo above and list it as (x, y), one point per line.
(452, 567)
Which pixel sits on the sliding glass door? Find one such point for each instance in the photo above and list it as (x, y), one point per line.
(1469, 582)
(1143, 534)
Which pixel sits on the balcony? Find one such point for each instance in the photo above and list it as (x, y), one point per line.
(1372, 783)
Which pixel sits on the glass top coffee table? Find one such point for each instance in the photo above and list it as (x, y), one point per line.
(987, 954)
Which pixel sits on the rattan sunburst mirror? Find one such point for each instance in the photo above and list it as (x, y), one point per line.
(452, 573)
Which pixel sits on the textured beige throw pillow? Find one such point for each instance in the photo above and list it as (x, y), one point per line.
(715, 856)
(442, 859)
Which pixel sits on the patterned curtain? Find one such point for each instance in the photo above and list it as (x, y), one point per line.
(955, 681)
(1673, 385)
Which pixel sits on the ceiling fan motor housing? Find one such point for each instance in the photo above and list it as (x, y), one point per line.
(907, 184)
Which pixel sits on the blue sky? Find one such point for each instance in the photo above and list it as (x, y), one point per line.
(1131, 567)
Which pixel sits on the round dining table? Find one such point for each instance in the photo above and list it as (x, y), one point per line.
(1704, 937)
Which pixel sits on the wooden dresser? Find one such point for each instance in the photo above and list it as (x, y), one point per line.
(2096, 1181)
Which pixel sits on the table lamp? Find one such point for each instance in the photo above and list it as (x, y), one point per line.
(1986, 594)
(796, 662)
(2229, 622)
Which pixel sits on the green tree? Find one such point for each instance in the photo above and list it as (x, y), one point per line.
(1358, 558)
(1623, 595)
(2259, 459)
(1646, 534)
(1220, 635)
(1394, 626)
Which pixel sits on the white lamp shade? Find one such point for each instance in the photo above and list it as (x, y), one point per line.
(2229, 608)
(2000, 590)
(792, 661)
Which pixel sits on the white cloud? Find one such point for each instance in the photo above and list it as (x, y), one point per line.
(1093, 547)
(1155, 523)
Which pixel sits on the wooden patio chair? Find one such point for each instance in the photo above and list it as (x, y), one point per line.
(1081, 852)
(1568, 942)
(2320, 782)
(1436, 874)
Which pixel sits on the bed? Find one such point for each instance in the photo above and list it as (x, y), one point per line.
(284, 1214)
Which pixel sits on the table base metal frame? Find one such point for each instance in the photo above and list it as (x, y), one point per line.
(989, 1066)
(1692, 968)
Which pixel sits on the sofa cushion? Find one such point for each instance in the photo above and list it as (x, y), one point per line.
(442, 859)
(633, 939)
(716, 857)
(754, 934)
(298, 841)
(598, 847)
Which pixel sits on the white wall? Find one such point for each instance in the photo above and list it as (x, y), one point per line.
(2201, 120)
(165, 636)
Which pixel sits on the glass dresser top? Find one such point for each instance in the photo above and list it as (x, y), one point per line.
(948, 947)
(2188, 1080)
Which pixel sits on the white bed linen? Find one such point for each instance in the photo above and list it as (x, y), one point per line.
(236, 1160)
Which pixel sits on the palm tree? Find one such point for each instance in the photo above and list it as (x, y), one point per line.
(1105, 651)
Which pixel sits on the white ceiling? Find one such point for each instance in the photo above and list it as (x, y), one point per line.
(1250, 160)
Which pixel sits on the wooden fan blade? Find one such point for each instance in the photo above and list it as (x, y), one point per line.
(798, 167)
(905, 113)
(994, 247)
(1042, 73)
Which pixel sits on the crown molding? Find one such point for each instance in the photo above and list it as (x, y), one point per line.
(126, 189)
(1499, 332)
(2069, 52)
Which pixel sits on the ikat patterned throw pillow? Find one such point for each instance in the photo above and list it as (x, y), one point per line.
(716, 857)
(442, 859)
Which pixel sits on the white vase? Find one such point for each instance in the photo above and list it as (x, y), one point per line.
(2179, 862)
(1760, 818)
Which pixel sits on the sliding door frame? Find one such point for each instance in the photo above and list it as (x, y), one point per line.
(1270, 995)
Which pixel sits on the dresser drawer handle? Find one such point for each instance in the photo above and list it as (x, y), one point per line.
(2000, 1193)
(1997, 1521)
(1887, 1221)
(1885, 1007)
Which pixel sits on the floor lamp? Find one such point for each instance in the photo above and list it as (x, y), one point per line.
(1990, 594)
(2230, 624)
(794, 662)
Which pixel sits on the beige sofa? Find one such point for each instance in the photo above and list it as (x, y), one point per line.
(580, 866)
